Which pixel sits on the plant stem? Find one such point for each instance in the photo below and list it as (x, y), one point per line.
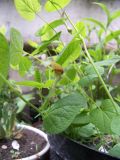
(17, 93)
(54, 4)
(47, 100)
(49, 26)
(91, 61)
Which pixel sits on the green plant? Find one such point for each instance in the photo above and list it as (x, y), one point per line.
(80, 92)
(9, 93)
(8, 110)
(7, 107)
(81, 102)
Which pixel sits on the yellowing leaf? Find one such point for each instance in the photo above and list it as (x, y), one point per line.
(57, 68)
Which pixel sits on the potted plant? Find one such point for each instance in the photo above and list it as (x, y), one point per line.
(17, 141)
(81, 112)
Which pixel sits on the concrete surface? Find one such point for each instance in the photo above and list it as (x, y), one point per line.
(77, 9)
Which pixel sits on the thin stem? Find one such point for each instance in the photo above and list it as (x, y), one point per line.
(46, 22)
(53, 3)
(49, 26)
(84, 92)
(86, 95)
(47, 100)
(110, 70)
(37, 59)
(17, 93)
(30, 55)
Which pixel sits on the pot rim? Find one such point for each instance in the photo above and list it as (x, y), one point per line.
(42, 134)
(85, 146)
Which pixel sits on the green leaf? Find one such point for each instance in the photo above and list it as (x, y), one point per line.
(97, 53)
(93, 53)
(37, 75)
(33, 44)
(55, 37)
(102, 116)
(70, 53)
(30, 84)
(91, 71)
(24, 65)
(45, 44)
(69, 76)
(98, 23)
(105, 9)
(47, 36)
(3, 29)
(2, 132)
(87, 80)
(115, 125)
(98, 50)
(48, 83)
(12, 121)
(35, 84)
(82, 118)
(5, 114)
(0, 113)
(108, 62)
(71, 73)
(59, 47)
(115, 151)
(50, 26)
(59, 116)
(80, 28)
(115, 15)
(4, 58)
(53, 5)
(90, 76)
(21, 104)
(112, 35)
(85, 131)
(27, 8)
(16, 47)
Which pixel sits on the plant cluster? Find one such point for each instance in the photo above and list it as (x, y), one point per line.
(8, 111)
(82, 102)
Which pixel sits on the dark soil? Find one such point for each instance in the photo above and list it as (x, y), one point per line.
(30, 144)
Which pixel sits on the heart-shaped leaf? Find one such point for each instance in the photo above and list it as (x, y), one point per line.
(102, 116)
(59, 117)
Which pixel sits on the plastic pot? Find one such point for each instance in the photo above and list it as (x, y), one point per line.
(68, 149)
(44, 152)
